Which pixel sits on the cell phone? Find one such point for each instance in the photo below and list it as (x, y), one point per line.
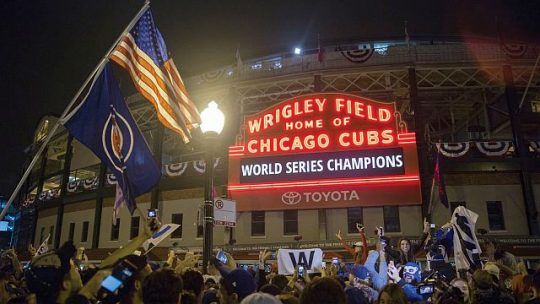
(323, 264)
(426, 289)
(152, 213)
(221, 256)
(111, 284)
(335, 261)
(301, 271)
(432, 225)
(120, 275)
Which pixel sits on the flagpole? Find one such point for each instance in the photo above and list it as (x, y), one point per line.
(104, 60)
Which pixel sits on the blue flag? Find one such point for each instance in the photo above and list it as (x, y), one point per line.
(104, 124)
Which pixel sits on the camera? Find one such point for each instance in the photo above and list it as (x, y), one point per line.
(425, 289)
(152, 213)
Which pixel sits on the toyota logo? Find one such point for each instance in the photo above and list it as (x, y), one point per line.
(291, 198)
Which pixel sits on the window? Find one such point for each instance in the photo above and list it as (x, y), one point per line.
(51, 233)
(115, 231)
(71, 231)
(257, 223)
(391, 219)
(354, 216)
(290, 222)
(84, 236)
(177, 218)
(41, 235)
(134, 230)
(454, 205)
(495, 215)
(200, 231)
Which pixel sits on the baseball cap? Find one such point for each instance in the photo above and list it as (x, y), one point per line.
(239, 281)
(361, 272)
(210, 297)
(358, 244)
(493, 269)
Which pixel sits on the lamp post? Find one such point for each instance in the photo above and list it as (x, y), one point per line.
(211, 126)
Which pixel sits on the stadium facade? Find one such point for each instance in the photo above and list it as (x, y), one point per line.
(460, 101)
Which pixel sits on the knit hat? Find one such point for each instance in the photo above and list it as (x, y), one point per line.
(239, 281)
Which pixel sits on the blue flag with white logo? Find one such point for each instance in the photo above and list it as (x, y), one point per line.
(103, 123)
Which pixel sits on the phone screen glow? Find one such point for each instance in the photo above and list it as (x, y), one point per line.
(111, 283)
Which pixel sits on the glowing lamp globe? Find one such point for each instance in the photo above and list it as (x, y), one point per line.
(212, 118)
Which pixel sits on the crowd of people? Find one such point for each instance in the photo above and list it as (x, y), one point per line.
(379, 273)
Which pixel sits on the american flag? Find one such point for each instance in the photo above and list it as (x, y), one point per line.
(143, 53)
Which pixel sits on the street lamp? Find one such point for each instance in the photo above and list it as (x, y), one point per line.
(212, 125)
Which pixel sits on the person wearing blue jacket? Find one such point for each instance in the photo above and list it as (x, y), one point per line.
(411, 276)
(378, 278)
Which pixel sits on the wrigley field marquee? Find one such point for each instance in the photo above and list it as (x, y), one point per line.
(324, 151)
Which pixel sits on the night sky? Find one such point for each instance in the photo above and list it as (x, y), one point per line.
(49, 47)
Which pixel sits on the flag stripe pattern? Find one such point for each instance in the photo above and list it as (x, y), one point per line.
(142, 52)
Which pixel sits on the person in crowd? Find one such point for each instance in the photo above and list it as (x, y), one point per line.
(485, 291)
(323, 291)
(392, 294)
(495, 253)
(464, 287)
(287, 298)
(211, 296)
(193, 284)
(378, 278)
(521, 288)
(359, 250)
(356, 296)
(162, 287)
(406, 251)
(280, 281)
(235, 286)
(53, 277)
(535, 286)
(270, 289)
(260, 298)
(359, 278)
(411, 277)
(450, 295)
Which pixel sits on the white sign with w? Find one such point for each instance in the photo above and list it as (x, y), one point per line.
(287, 260)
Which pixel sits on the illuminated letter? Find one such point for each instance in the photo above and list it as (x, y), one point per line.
(359, 109)
(268, 120)
(372, 137)
(387, 137)
(339, 104)
(297, 143)
(323, 140)
(282, 142)
(309, 142)
(289, 126)
(384, 115)
(370, 113)
(320, 104)
(264, 145)
(341, 140)
(254, 125)
(250, 146)
(287, 111)
(358, 138)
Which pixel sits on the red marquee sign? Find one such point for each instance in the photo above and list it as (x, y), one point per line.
(324, 150)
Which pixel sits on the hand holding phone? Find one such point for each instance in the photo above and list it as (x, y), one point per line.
(300, 271)
(222, 257)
